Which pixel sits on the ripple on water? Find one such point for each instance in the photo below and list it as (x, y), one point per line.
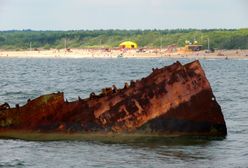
(29, 78)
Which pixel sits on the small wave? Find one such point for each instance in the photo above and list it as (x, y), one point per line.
(13, 163)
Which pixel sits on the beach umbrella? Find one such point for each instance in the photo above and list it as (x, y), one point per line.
(128, 44)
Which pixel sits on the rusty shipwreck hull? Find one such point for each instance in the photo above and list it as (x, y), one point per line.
(176, 99)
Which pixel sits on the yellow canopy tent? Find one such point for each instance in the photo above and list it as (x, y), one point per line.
(128, 44)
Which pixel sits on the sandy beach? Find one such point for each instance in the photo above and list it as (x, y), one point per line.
(117, 53)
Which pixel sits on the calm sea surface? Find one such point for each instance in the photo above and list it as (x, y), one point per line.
(21, 79)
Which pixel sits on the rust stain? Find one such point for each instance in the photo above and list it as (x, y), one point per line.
(174, 99)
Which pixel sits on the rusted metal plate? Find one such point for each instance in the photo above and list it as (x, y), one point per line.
(176, 99)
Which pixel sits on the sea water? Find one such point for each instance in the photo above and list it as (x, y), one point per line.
(21, 79)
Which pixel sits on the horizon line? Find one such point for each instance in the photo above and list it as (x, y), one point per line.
(138, 29)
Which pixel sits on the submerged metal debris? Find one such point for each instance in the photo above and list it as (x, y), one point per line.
(176, 99)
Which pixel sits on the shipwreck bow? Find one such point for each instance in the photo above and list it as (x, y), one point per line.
(176, 99)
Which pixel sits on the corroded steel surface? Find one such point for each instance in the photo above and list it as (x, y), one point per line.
(174, 99)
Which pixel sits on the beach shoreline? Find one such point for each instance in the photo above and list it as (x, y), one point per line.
(118, 53)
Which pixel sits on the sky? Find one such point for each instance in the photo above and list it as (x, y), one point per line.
(122, 14)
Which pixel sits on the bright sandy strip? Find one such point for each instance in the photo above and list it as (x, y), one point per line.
(101, 53)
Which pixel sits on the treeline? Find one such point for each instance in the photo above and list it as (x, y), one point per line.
(218, 38)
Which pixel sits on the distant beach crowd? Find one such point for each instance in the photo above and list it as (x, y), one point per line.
(124, 53)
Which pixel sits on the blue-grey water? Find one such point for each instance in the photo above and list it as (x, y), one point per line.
(21, 79)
